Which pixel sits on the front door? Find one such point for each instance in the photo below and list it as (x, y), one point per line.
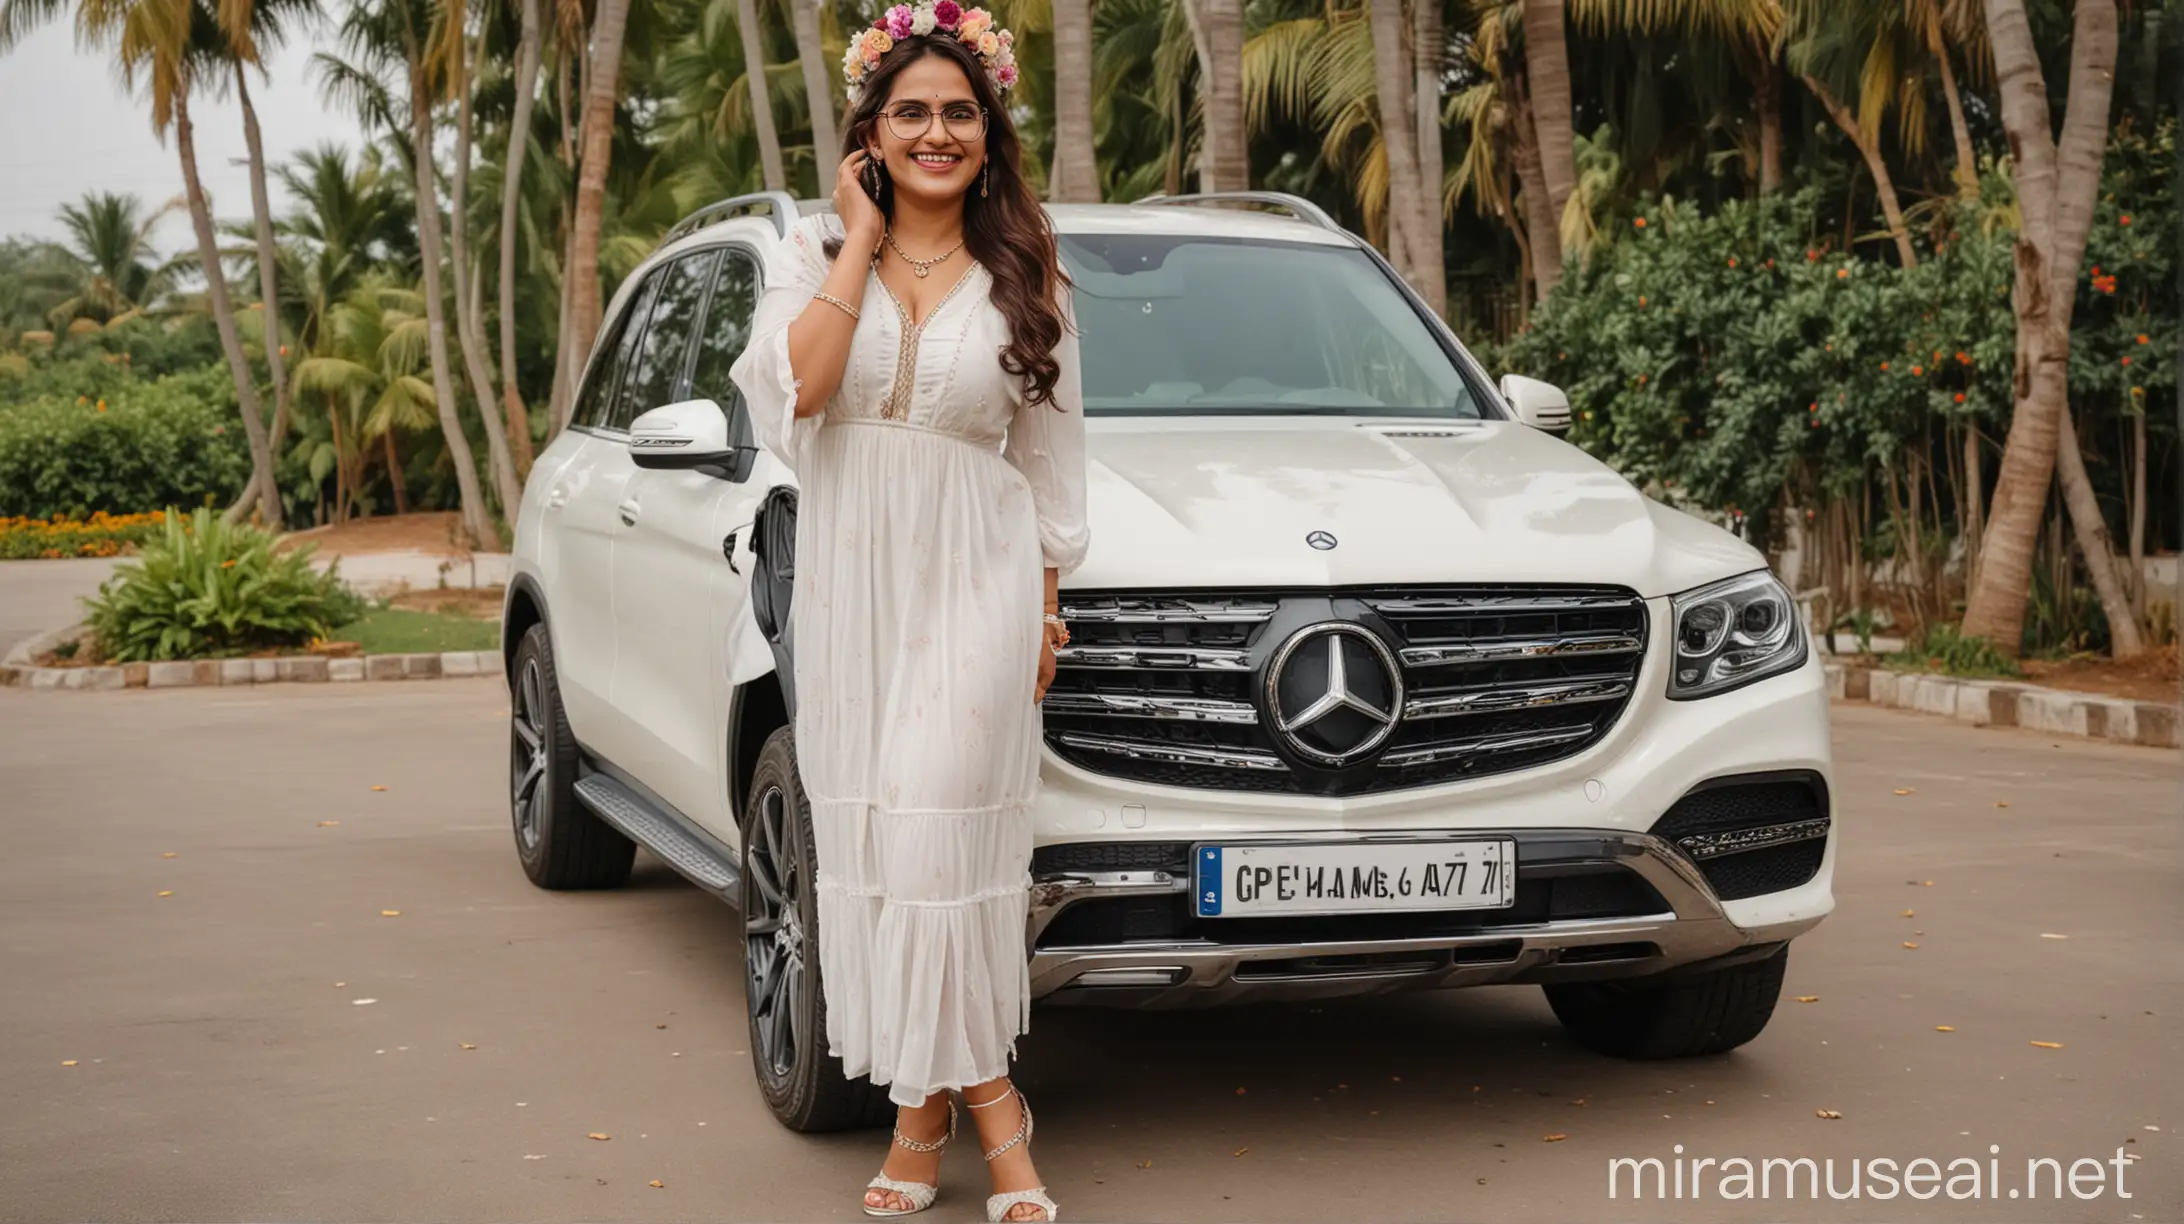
(681, 583)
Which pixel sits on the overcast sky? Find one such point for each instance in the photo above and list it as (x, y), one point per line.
(70, 127)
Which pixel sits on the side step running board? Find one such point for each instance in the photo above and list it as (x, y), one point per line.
(662, 834)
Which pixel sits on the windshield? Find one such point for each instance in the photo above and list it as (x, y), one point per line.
(1198, 325)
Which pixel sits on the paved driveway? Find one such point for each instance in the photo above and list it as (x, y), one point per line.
(39, 595)
(264, 1044)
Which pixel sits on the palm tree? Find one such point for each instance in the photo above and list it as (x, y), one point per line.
(1076, 174)
(754, 76)
(603, 74)
(2058, 178)
(366, 373)
(112, 272)
(174, 47)
(519, 144)
(396, 37)
(811, 55)
(1547, 79)
(1409, 215)
(1217, 30)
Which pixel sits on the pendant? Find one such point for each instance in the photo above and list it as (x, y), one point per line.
(923, 271)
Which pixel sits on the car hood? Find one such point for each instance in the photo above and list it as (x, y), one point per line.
(1210, 502)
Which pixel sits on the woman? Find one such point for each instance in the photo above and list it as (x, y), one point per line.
(900, 344)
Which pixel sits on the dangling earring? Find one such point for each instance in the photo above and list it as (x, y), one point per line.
(985, 175)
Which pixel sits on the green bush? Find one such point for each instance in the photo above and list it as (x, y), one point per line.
(204, 588)
(1941, 648)
(175, 441)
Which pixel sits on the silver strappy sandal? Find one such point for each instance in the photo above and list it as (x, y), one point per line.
(999, 1205)
(918, 1194)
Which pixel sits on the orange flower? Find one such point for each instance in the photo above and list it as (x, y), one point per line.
(1811, 256)
(2142, 338)
(1641, 380)
(1962, 358)
(1640, 223)
(1641, 301)
(2127, 361)
(1732, 261)
(1842, 274)
(2106, 284)
(1884, 365)
(1960, 397)
(228, 564)
(2125, 219)
(1920, 370)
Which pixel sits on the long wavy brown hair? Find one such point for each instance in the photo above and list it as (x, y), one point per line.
(1004, 227)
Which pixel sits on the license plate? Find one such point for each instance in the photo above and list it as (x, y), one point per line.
(1359, 877)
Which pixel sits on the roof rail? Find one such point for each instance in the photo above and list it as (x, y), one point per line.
(780, 204)
(1296, 205)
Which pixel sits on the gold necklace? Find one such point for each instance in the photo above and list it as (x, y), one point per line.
(923, 267)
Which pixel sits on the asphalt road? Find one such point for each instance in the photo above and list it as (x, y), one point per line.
(39, 595)
(265, 1044)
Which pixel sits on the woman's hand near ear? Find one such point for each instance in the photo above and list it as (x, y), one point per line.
(863, 226)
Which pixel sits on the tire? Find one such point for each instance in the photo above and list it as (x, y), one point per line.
(803, 1084)
(559, 841)
(1708, 1013)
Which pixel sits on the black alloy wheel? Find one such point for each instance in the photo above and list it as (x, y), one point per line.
(802, 1083)
(560, 842)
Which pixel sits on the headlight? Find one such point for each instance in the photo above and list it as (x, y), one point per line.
(1732, 633)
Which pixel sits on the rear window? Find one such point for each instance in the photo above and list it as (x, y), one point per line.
(1205, 325)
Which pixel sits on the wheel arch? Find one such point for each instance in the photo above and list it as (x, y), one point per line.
(524, 607)
(759, 709)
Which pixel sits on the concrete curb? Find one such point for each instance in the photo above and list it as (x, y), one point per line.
(19, 672)
(2004, 703)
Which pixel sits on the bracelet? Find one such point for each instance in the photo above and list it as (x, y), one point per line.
(837, 303)
(1056, 622)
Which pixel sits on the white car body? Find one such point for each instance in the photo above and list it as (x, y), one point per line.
(661, 661)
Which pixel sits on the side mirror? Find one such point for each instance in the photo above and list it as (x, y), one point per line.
(1540, 405)
(683, 437)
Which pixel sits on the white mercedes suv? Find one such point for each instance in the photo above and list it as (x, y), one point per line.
(1375, 683)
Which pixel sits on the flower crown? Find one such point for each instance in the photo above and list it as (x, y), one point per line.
(974, 28)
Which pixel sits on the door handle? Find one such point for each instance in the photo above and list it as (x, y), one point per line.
(728, 551)
(628, 510)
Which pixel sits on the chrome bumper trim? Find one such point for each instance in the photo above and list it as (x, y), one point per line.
(1173, 754)
(1490, 650)
(1501, 699)
(1203, 973)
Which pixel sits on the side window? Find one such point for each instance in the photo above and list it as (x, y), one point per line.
(727, 330)
(656, 365)
(597, 395)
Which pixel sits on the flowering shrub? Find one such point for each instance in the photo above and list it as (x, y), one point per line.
(118, 448)
(101, 535)
(204, 588)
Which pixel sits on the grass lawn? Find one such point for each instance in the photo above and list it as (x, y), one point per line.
(402, 631)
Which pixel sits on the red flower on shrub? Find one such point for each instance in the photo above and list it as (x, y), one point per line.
(1960, 397)
(2106, 284)
(2125, 219)
(1639, 222)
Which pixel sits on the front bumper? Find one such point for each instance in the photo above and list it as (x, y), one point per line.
(1586, 812)
(1690, 928)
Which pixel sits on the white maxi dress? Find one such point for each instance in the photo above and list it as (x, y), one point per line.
(919, 548)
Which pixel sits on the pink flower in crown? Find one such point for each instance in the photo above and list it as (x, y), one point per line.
(877, 44)
(1006, 74)
(988, 45)
(898, 21)
(1008, 38)
(947, 14)
(975, 22)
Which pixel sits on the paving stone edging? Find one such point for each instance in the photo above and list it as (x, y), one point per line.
(19, 672)
(2004, 703)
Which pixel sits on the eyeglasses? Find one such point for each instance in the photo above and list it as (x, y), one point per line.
(966, 121)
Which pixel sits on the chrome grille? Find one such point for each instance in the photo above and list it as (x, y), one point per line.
(1170, 688)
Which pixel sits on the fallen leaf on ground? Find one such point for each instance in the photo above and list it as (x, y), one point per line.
(390, 913)
(68, 1062)
(1926, 883)
(1826, 1113)
(599, 1136)
(1239, 1151)
(1578, 1101)
(2001, 803)
(379, 788)
(470, 1045)
(167, 854)
(540, 1156)
(1945, 1028)
(2049, 1045)
(166, 892)
(657, 1184)
(1808, 998)
(1909, 914)
(1482, 1181)
(1903, 790)
(659, 1026)
(1145, 1164)
(327, 824)
(1557, 1137)
(1908, 944)
(363, 1002)
(2051, 935)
